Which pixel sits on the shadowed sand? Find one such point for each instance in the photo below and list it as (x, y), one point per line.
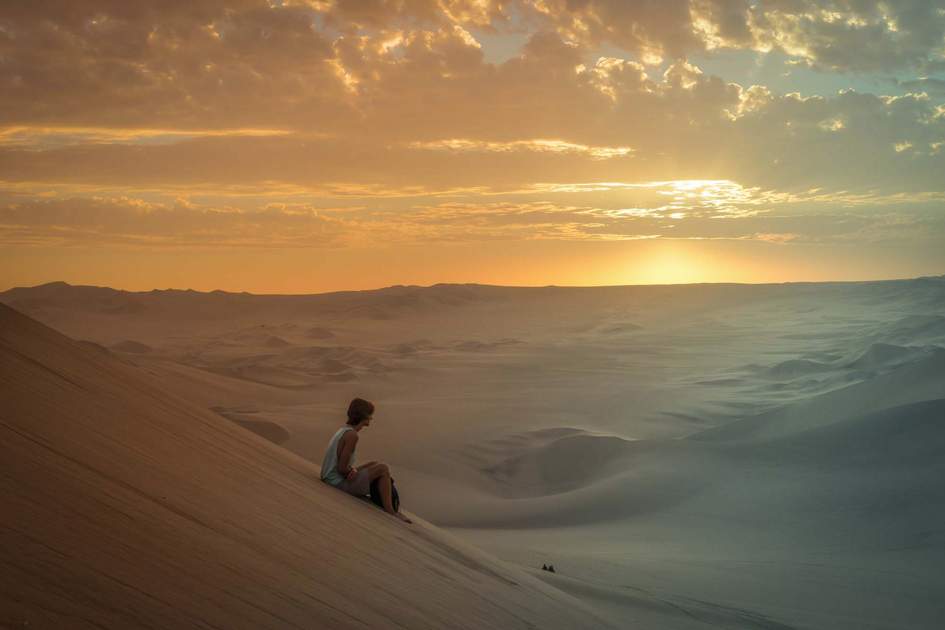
(124, 506)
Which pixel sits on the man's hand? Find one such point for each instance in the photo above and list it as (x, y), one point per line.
(351, 474)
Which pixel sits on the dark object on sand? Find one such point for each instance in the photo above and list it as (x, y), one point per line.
(376, 495)
(544, 567)
(548, 567)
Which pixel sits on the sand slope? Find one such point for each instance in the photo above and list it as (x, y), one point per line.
(124, 507)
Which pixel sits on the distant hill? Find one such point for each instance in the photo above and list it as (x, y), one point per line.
(77, 309)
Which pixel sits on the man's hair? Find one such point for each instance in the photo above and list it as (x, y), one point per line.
(359, 409)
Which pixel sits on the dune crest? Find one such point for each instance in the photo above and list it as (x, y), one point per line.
(572, 460)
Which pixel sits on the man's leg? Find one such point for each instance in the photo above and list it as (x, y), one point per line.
(377, 470)
(381, 472)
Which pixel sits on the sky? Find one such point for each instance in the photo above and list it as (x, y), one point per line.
(317, 145)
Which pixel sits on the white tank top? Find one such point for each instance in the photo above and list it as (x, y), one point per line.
(330, 472)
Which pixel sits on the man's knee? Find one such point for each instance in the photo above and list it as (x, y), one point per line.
(378, 469)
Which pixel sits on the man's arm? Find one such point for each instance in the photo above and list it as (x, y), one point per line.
(345, 449)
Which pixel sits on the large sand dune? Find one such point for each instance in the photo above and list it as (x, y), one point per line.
(687, 456)
(123, 506)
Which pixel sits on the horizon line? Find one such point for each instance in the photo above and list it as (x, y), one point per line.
(467, 284)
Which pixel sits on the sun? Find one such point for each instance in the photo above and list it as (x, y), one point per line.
(669, 263)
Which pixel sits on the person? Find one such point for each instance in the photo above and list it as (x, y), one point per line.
(338, 467)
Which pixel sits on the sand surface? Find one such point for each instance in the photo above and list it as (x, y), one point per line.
(737, 456)
(122, 506)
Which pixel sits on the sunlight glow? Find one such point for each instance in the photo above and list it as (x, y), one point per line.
(668, 264)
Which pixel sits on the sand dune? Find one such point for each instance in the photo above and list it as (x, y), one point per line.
(319, 333)
(919, 380)
(276, 342)
(916, 328)
(571, 461)
(481, 346)
(126, 507)
(413, 347)
(264, 428)
(687, 456)
(132, 347)
(795, 368)
(908, 435)
(840, 520)
(620, 328)
(884, 355)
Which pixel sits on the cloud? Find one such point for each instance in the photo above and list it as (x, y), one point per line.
(538, 146)
(776, 237)
(929, 85)
(838, 35)
(682, 124)
(259, 116)
(172, 64)
(331, 66)
(678, 210)
(853, 36)
(45, 137)
(134, 221)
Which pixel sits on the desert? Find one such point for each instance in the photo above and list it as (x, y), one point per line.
(762, 456)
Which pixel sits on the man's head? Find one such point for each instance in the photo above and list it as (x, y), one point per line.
(360, 412)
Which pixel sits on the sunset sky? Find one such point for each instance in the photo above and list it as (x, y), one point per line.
(304, 146)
